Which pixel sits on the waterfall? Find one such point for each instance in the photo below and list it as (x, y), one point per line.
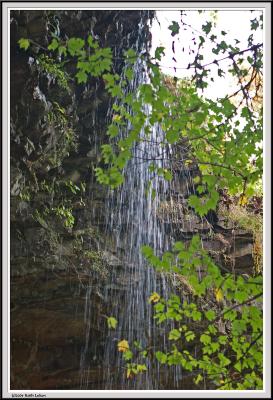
(132, 221)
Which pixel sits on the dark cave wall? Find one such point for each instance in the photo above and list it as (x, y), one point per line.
(51, 265)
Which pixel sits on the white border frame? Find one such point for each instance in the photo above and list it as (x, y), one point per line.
(6, 392)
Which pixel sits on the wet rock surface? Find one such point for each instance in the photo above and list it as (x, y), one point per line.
(53, 267)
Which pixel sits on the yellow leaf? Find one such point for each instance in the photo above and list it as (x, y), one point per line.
(123, 346)
(128, 373)
(117, 118)
(219, 295)
(188, 162)
(154, 298)
(243, 201)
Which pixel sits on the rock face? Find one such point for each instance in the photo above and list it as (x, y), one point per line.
(58, 239)
(56, 132)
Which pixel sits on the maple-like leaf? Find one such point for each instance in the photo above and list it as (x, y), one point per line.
(123, 346)
(154, 298)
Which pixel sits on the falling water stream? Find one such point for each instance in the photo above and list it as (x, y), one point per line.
(132, 221)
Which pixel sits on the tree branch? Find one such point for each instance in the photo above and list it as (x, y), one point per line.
(238, 305)
(216, 61)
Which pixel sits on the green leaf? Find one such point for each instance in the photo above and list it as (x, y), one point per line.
(74, 46)
(107, 153)
(240, 295)
(167, 175)
(212, 329)
(210, 315)
(174, 334)
(172, 136)
(189, 336)
(250, 60)
(113, 130)
(129, 73)
(81, 77)
(174, 28)
(112, 322)
(222, 339)
(93, 44)
(198, 379)
(201, 205)
(147, 93)
(141, 368)
(207, 27)
(238, 366)
(202, 40)
(161, 357)
(230, 315)
(147, 251)
(130, 55)
(224, 361)
(214, 346)
(62, 50)
(24, 43)
(53, 45)
(245, 112)
(179, 246)
(159, 307)
(127, 355)
(84, 66)
(137, 345)
(204, 338)
(196, 315)
(254, 24)
(115, 177)
(159, 51)
(239, 326)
